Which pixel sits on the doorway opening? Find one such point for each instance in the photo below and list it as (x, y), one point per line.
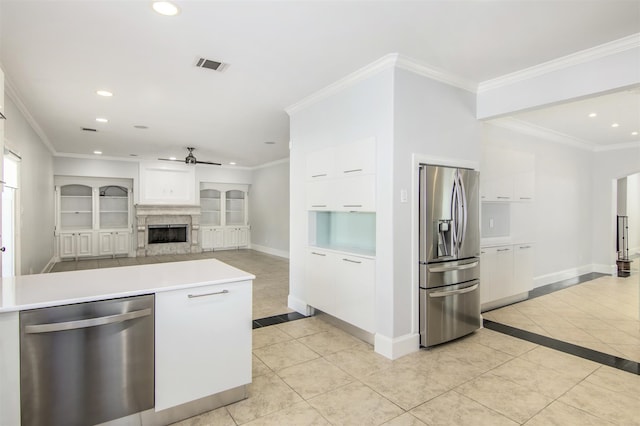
(10, 220)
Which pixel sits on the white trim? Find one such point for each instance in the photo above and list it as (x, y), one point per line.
(554, 277)
(396, 347)
(541, 132)
(388, 61)
(49, 266)
(448, 162)
(269, 250)
(299, 306)
(13, 95)
(271, 164)
(410, 64)
(591, 54)
(617, 146)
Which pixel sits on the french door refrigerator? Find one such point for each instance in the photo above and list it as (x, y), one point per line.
(449, 252)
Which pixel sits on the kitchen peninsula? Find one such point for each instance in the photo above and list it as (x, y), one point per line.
(199, 317)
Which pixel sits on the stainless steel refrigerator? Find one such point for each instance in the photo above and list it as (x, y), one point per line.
(449, 253)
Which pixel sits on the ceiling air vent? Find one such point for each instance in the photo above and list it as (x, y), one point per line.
(210, 64)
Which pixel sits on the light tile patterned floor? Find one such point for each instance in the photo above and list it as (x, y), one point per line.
(601, 314)
(301, 377)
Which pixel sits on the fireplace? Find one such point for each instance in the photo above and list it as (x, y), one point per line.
(167, 229)
(164, 234)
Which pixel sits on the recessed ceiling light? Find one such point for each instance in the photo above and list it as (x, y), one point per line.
(104, 93)
(233, 163)
(270, 142)
(634, 133)
(615, 125)
(97, 152)
(165, 8)
(593, 114)
(102, 120)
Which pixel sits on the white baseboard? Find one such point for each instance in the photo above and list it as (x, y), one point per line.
(572, 273)
(49, 266)
(397, 347)
(298, 305)
(269, 250)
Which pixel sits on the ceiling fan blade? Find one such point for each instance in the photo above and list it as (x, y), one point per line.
(169, 159)
(209, 162)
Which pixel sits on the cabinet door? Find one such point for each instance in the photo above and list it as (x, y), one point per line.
(354, 300)
(243, 237)
(84, 244)
(320, 164)
(203, 342)
(504, 272)
(122, 242)
(320, 280)
(487, 275)
(105, 243)
(231, 237)
(319, 195)
(357, 193)
(67, 245)
(207, 238)
(218, 238)
(523, 268)
(356, 158)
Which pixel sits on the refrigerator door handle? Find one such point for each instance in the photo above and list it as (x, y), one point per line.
(439, 268)
(454, 216)
(463, 201)
(454, 292)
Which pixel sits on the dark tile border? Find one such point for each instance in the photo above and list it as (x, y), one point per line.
(579, 351)
(277, 319)
(561, 285)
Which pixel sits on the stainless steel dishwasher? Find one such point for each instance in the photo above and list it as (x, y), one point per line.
(87, 363)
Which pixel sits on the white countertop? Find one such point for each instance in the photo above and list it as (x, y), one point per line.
(63, 288)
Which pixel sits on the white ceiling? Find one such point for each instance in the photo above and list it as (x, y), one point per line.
(56, 54)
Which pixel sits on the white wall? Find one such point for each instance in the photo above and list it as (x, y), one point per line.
(269, 209)
(36, 191)
(608, 167)
(562, 219)
(433, 121)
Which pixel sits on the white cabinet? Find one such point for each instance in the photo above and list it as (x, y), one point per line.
(114, 243)
(342, 178)
(203, 342)
(224, 220)
(522, 268)
(507, 175)
(342, 285)
(75, 244)
(93, 216)
(506, 274)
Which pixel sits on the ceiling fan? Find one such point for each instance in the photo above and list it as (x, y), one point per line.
(191, 159)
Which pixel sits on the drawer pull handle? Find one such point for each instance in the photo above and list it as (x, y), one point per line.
(352, 171)
(352, 205)
(454, 292)
(503, 198)
(315, 176)
(525, 247)
(318, 205)
(525, 198)
(504, 249)
(459, 267)
(192, 296)
(352, 261)
(318, 254)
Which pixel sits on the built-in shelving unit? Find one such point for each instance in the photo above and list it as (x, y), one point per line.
(210, 207)
(76, 207)
(224, 215)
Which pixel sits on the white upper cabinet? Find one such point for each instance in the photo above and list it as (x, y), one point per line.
(167, 183)
(507, 175)
(342, 178)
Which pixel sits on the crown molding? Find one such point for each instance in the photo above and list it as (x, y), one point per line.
(271, 164)
(617, 146)
(591, 54)
(11, 91)
(388, 61)
(410, 64)
(542, 133)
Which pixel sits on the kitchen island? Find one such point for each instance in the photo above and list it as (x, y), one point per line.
(202, 330)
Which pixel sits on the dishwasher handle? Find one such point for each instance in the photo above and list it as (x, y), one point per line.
(85, 323)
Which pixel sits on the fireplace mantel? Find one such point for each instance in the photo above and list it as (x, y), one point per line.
(167, 214)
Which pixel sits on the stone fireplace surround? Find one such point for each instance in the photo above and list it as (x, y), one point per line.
(167, 215)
